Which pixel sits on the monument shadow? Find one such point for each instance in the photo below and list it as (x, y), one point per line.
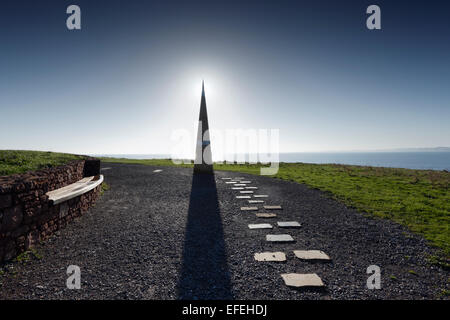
(204, 273)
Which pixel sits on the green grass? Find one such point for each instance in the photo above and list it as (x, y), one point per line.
(418, 199)
(19, 161)
(105, 187)
(412, 272)
(445, 293)
(26, 256)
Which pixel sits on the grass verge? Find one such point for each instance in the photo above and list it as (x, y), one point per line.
(20, 161)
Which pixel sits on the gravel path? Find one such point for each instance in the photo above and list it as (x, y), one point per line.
(168, 235)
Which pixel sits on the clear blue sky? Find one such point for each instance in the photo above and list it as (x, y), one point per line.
(133, 73)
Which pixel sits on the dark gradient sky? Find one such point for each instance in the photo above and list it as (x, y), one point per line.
(312, 69)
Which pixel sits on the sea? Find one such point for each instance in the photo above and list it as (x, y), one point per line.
(409, 160)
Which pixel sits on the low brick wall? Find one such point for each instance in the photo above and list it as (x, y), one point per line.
(26, 214)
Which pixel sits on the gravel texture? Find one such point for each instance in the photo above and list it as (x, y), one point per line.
(168, 235)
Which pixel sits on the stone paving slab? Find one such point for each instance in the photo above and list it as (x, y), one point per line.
(311, 255)
(240, 184)
(270, 256)
(271, 207)
(279, 238)
(255, 201)
(239, 178)
(245, 181)
(231, 182)
(249, 208)
(157, 170)
(243, 197)
(300, 280)
(246, 191)
(266, 215)
(255, 188)
(260, 226)
(226, 178)
(238, 188)
(288, 224)
(260, 196)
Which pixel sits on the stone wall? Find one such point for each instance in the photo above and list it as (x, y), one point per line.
(26, 214)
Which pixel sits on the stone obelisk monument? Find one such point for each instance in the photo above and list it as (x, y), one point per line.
(203, 158)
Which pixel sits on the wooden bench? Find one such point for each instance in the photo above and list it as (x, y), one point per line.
(75, 189)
